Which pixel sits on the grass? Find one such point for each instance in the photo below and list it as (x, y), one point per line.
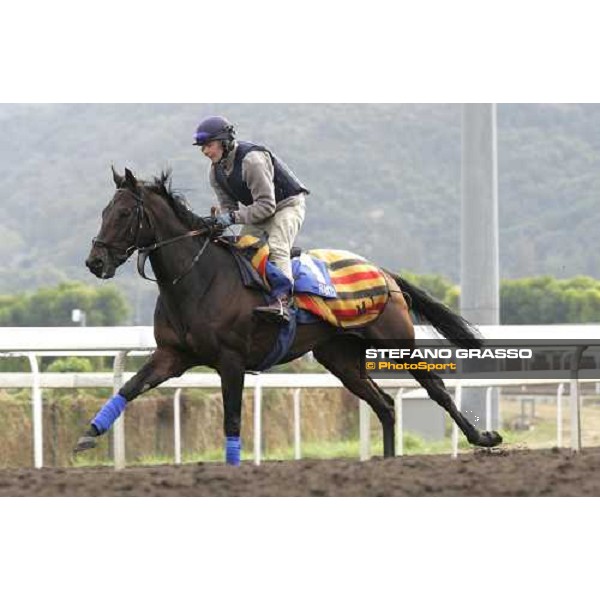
(413, 444)
(541, 433)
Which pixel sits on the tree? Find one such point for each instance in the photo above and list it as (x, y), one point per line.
(52, 307)
(529, 301)
(540, 300)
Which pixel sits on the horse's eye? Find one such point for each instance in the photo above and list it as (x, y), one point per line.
(124, 212)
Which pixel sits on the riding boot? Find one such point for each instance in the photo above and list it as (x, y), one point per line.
(276, 312)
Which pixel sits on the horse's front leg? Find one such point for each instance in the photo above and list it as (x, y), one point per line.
(163, 364)
(232, 371)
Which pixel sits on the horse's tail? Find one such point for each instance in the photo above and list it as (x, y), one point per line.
(452, 326)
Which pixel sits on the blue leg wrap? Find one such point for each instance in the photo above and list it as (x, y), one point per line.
(233, 448)
(109, 413)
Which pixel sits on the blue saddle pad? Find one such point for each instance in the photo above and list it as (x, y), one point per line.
(311, 276)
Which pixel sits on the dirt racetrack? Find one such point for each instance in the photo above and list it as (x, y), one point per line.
(480, 473)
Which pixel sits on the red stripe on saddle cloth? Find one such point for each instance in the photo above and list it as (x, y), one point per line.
(353, 277)
(311, 304)
(262, 266)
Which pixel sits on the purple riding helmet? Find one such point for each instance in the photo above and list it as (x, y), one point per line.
(214, 128)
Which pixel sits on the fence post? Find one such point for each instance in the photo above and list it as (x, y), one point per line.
(36, 403)
(458, 402)
(119, 426)
(297, 431)
(257, 420)
(177, 425)
(364, 427)
(488, 408)
(559, 417)
(576, 400)
(399, 426)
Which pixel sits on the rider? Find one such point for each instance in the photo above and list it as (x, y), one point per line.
(255, 189)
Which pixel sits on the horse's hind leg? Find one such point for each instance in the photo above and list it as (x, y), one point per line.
(436, 390)
(342, 356)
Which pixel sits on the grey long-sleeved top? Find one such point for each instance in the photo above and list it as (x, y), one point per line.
(258, 173)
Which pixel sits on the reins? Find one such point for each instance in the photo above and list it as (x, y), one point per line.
(143, 254)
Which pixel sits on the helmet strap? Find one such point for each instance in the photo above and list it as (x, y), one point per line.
(227, 147)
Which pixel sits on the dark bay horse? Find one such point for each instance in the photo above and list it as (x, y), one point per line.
(204, 315)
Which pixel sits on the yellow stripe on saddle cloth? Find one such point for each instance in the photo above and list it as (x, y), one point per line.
(362, 291)
(259, 257)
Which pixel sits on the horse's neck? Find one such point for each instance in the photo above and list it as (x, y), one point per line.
(176, 262)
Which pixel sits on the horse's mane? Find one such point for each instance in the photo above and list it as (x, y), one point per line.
(162, 185)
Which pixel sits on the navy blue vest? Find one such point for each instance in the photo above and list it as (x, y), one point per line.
(286, 183)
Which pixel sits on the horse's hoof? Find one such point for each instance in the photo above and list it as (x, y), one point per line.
(85, 442)
(489, 439)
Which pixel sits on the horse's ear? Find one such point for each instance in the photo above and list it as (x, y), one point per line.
(118, 179)
(130, 180)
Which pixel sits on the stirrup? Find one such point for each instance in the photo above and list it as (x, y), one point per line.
(278, 312)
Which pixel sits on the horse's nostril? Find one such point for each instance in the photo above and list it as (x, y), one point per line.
(94, 264)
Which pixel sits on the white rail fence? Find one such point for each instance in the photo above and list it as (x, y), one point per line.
(122, 341)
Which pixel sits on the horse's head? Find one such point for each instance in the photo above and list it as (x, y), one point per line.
(137, 216)
(125, 227)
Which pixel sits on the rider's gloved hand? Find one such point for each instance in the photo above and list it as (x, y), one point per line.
(224, 220)
(218, 223)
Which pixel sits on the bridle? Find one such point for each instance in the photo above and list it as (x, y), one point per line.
(134, 228)
(137, 224)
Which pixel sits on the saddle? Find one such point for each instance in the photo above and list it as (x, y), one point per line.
(335, 286)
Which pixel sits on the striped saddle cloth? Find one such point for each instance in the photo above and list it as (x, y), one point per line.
(336, 286)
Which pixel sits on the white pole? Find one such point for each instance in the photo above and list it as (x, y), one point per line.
(559, 415)
(576, 401)
(297, 439)
(399, 427)
(119, 426)
(488, 408)
(257, 420)
(479, 245)
(364, 427)
(458, 402)
(575, 416)
(36, 402)
(177, 425)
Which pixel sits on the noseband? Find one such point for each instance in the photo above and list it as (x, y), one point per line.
(137, 223)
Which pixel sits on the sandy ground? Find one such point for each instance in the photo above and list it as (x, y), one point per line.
(479, 473)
